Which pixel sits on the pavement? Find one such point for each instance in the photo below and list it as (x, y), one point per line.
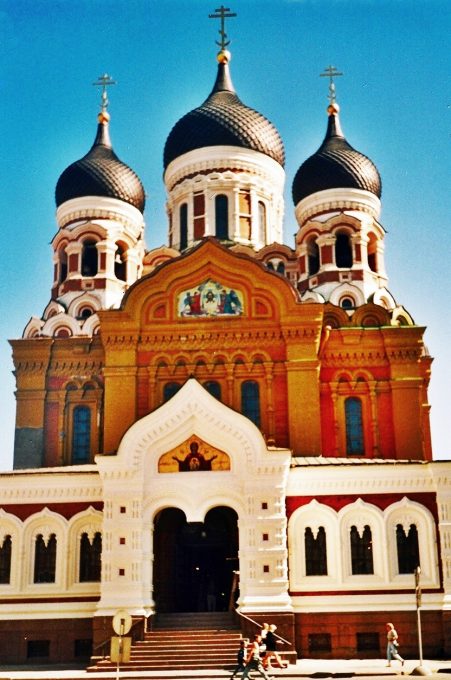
(304, 668)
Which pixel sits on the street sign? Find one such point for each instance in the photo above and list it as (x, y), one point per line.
(122, 622)
(120, 649)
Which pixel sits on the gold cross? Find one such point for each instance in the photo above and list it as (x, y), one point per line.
(104, 82)
(221, 13)
(331, 72)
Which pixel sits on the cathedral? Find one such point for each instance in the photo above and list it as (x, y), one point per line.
(226, 422)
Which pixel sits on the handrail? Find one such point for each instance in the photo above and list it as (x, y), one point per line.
(256, 623)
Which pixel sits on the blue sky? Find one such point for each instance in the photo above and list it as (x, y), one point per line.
(395, 108)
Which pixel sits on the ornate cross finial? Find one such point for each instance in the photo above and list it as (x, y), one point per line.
(104, 82)
(221, 13)
(331, 72)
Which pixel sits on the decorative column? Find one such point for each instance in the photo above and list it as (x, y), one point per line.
(73, 250)
(106, 251)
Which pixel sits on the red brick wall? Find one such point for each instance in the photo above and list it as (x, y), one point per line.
(344, 626)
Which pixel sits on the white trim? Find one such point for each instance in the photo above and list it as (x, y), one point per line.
(227, 157)
(92, 207)
(330, 200)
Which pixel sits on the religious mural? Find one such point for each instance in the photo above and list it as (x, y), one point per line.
(194, 455)
(210, 298)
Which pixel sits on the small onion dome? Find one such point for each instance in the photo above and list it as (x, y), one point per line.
(223, 120)
(336, 165)
(100, 173)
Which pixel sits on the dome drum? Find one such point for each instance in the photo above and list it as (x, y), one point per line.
(74, 211)
(251, 182)
(337, 199)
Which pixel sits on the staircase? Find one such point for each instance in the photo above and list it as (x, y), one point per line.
(194, 641)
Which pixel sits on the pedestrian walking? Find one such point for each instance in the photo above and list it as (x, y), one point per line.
(253, 661)
(240, 658)
(392, 645)
(271, 649)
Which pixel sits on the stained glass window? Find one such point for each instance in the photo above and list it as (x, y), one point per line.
(81, 435)
(354, 427)
(250, 401)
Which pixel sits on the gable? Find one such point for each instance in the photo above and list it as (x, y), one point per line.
(210, 281)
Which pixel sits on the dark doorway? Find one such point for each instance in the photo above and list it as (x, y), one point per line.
(194, 561)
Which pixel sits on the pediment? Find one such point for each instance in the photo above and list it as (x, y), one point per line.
(209, 281)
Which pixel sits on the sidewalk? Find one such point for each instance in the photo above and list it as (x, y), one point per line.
(316, 668)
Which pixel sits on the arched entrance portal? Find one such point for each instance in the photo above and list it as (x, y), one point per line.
(194, 561)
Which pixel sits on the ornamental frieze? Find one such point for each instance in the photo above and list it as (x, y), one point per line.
(330, 359)
(206, 339)
(87, 369)
(29, 367)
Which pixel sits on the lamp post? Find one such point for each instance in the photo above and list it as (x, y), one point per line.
(421, 669)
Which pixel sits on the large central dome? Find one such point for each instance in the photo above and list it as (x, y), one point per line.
(223, 120)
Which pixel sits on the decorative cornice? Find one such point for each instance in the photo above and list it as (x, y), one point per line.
(369, 477)
(228, 159)
(62, 367)
(331, 200)
(97, 207)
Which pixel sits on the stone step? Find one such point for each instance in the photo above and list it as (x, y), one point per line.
(193, 634)
(194, 645)
(182, 664)
(195, 620)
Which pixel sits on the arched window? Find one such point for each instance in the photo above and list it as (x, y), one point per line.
(62, 257)
(372, 253)
(169, 390)
(85, 312)
(281, 268)
(408, 550)
(214, 388)
(183, 214)
(250, 401)
(81, 435)
(270, 265)
(313, 257)
(90, 557)
(315, 552)
(343, 251)
(222, 216)
(120, 265)
(63, 332)
(347, 303)
(361, 551)
(354, 427)
(5, 560)
(261, 222)
(89, 261)
(45, 559)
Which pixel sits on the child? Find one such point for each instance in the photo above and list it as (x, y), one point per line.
(240, 657)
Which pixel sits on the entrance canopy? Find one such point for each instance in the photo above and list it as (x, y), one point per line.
(195, 454)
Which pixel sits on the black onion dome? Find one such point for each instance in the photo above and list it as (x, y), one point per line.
(336, 165)
(100, 173)
(223, 120)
